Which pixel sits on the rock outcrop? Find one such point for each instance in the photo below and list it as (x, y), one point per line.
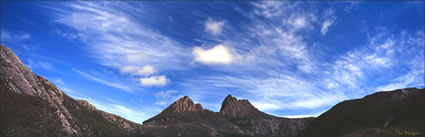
(30, 105)
(233, 107)
(17, 78)
(236, 118)
(184, 104)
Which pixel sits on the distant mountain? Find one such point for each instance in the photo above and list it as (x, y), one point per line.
(31, 106)
(398, 113)
(236, 118)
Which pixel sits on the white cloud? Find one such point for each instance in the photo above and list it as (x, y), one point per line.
(135, 70)
(325, 26)
(214, 27)
(154, 81)
(219, 54)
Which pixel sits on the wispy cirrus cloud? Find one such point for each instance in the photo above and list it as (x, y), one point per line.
(33, 64)
(124, 109)
(144, 71)
(7, 36)
(103, 81)
(163, 97)
(134, 114)
(118, 41)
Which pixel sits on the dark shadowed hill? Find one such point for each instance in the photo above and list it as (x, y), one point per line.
(398, 113)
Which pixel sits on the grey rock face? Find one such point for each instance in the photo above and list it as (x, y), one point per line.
(237, 108)
(21, 80)
(50, 104)
(184, 104)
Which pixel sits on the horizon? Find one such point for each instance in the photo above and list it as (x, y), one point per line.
(289, 59)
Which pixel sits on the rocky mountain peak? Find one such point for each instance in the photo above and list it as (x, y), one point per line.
(184, 104)
(234, 107)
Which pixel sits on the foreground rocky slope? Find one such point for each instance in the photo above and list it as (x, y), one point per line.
(398, 113)
(32, 106)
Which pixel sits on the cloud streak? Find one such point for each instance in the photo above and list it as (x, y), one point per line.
(104, 82)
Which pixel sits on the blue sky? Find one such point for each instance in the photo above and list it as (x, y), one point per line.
(289, 59)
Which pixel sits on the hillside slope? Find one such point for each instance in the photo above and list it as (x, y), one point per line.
(32, 106)
(384, 114)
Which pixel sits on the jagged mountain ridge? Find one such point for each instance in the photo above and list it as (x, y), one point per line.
(32, 106)
(236, 118)
(233, 107)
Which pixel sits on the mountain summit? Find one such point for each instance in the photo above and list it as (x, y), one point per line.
(233, 107)
(184, 104)
(236, 118)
